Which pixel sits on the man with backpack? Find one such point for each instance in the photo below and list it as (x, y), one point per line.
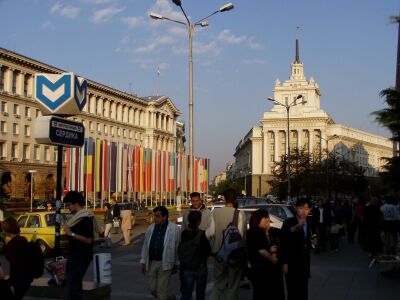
(193, 253)
(228, 269)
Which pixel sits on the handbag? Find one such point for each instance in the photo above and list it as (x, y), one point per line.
(57, 270)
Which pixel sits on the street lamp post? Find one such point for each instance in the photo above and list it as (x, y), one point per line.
(191, 26)
(31, 172)
(288, 106)
(327, 161)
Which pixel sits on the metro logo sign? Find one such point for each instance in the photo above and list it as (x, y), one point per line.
(60, 94)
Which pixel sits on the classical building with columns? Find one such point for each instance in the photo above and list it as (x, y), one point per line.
(311, 128)
(109, 114)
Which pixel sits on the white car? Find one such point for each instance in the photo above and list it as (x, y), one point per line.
(274, 220)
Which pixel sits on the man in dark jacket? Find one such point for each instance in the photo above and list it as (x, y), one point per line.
(295, 251)
(322, 220)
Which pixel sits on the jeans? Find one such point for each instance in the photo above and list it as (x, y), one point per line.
(188, 280)
(76, 269)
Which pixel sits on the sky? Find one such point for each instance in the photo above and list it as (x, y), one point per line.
(348, 47)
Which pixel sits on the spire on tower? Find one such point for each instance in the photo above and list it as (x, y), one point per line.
(297, 58)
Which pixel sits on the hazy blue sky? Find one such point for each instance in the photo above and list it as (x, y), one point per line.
(348, 46)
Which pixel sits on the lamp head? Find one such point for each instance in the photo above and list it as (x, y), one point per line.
(177, 2)
(203, 24)
(271, 99)
(156, 16)
(299, 96)
(226, 7)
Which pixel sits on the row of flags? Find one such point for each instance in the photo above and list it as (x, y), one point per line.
(104, 166)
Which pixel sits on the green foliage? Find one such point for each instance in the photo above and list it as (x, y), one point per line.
(227, 184)
(390, 118)
(311, 176)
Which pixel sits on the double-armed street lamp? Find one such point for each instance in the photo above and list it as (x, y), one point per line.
(32, 172)
(190, 26)
(288, 106)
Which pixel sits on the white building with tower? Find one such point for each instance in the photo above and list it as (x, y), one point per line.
(311, 128)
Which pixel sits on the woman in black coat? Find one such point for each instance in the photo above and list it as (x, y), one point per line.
(263, 250)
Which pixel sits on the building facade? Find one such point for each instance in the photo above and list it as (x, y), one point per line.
(311, 128)
(110, 114)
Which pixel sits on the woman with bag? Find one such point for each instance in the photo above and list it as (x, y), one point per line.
(19, 280)
(263, 250)
(193, 253)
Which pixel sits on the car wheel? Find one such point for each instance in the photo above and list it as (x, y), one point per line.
(44, 247)
(2, 245)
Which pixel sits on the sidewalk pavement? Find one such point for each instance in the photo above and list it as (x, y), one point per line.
(344, 275)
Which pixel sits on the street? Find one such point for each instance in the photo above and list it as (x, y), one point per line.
(343, 275)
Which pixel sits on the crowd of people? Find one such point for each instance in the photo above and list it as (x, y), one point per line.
(276, 261)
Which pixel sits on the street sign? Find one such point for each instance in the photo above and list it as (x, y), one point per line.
(54, 130)
(60, 94)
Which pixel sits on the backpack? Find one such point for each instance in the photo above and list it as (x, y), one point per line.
(233, 246)
(189, 252)
(116, 211)
(34, 259)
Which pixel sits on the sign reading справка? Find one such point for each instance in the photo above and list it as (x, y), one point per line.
(53, 130)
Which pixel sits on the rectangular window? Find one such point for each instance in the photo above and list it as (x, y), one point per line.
(26, 154)
(15, 128)
(14, 82)
(98, 127)
(27, 130)
(27, 111)
(16, 109)
(14, 150)
(26, 85)
(36, 152)
(3, 126)
(1, 79)
(118, 131)
(3, 106)
(47, 153)
(272, 158)
(3, 153)
(105, 129)
(37, 113)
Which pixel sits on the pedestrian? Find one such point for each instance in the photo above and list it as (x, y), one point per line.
(295, 251)
(337, 227)
(389, 226)
(80, 230)
(126, 224)
(116, 212)
(49, 206)
(263, 250)
(322, 215)
(207, 222)
(108, 223)
(227, 277)
(194, 250)
(351, 227)
(372, 219)
(159, 254)
(19, 280)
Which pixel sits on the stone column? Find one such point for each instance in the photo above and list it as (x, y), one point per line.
(7, 79)
(20, 83)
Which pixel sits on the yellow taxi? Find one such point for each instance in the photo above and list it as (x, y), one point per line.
(40, 227)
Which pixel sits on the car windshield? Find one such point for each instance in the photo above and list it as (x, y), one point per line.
(51, 219)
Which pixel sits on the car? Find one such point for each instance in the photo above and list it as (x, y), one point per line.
(280, 210)
(250, 201)
(274, 220)
(40, 227)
